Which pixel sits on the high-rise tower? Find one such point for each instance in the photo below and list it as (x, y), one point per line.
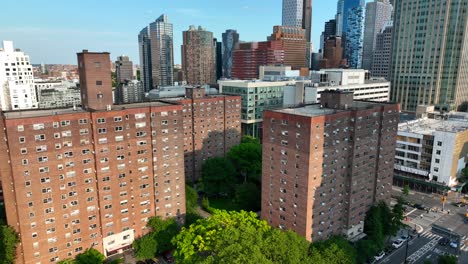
(230, 39)
(378, 13)
(430, 54)
(157, 53)
(198, 56)
(17, 90)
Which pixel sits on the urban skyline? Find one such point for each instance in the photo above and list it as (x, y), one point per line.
(102, 32)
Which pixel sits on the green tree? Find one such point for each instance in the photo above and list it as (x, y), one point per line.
(406, 191)
(250, 139)
(447, 259)
(90, 256)
(373, 227)
(191, 197)
(248, 196)
(8, 242)
(397, 214)
(334, 250)
(145, 247)
(208, 236)
(247, 158)
(367, 250)
(218, 177)
(158, 240)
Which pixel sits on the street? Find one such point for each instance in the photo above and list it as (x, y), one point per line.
(426, 246)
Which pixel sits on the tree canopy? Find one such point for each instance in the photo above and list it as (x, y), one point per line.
(218, 177)
(447, 259)
(240, 237)
(247, 158)
(8, 242)
(90, 256)
(191, 197)
(158, 240)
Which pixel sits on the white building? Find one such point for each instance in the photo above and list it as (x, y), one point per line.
(57, 94)
(431, 151)
(351, 80)
(16, 79)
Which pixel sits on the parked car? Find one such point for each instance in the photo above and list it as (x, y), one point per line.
(398, 243)
(453, 244)
(444, 241)
(404, 238)
(379, 256)
(419, 206)
(459, 204)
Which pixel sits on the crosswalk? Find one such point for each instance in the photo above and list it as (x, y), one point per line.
(426, 248)
(429, 235)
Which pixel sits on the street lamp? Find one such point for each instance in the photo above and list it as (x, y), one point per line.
(407, 246)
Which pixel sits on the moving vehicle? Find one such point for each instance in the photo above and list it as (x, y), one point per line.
(453, 244)
(419, 206)
(398, 243)
(444, 241)
(379, 256)
(404, 238)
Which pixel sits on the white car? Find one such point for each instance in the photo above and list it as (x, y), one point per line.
(398, 243)
(379, 256)
(453, 244)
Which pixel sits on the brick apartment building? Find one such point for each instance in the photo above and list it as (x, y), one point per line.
(212, 125)
(324, 166)
(80, 178)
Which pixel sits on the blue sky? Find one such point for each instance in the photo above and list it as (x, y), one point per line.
(52, 31)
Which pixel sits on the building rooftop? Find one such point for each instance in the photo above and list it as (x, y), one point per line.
(71, 110)
(428, 126)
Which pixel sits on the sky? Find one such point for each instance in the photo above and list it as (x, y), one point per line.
(53, 31)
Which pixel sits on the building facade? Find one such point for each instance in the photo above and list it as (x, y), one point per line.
(257, 96)
(16, 79)
(212, 126)
(294, 45)
(332, 54)
(157, 54)
(144, 45)
(230, 40)
(383, 52)
(354, 37)
(431, 152)
(248, 57)
(329, 31)
(378, 14)
(77, 179)
(218, 48)
(198, 56)
(57, 94)
(430, 60)
(324, 167)
(123, 69)
(298, 13)
(129, 92)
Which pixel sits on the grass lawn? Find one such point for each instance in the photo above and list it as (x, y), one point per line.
(224, 204)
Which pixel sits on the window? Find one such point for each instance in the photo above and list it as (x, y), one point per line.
(65, 123)
(118, 119)
(439, 143)
(20, 128)
(101, 120)
(99, 83)
(22, 139)
(437, 160)
(83, 121)
(40, 137)
(102, 130)
(164, 122)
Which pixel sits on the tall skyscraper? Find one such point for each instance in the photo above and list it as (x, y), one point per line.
(218, 57)
(230, 40)
(294, 45)
(378, 13)
(339, 17)
(298, 13)
(198, 56)
(17, 90)
(144, 45)
(323, 169)
(430, 59)
(354, 37)
(383, 52)
(157, 54)
(123, 69)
